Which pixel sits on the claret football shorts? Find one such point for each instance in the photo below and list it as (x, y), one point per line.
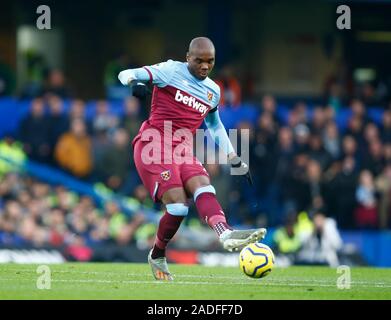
(160, 176)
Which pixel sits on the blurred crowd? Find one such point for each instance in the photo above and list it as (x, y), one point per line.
(33, 213)
(96, 149)
(310, 163)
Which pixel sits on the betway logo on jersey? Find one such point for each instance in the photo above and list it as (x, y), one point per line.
(190, 102)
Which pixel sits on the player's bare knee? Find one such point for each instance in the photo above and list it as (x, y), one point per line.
(175, 195)
(196, 182)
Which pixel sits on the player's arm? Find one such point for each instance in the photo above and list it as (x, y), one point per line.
(136, 78)
(219, 135)
(158, 74)
(131, 76)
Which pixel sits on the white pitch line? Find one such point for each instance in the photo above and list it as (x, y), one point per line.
(290, 284)
(283, 281)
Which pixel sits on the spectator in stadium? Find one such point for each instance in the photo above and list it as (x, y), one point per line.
(324, 243)
(77, 222)
(230, 88)
(84, 220)
(99, 233)
(285, 240)
(383, 186)
(371, 134)
(302, 137)
(289, 239)
(261, 151)
(266, 130)
(318, 121)
(315, 187)
(359, 110)
(58, 121)
(10, 218)
(115, 160)
(284, 151)
(283, 156)
(30, 232)
(78, 110)
(318, 152)
(292, 119)
(350, 148)
(369, 94)
(73, 151)
(386, 126)
(355, 129)
(64, 198)
(301, 111)
(34, 132)
(57, 228)
(387, 153)
(332, 140)
(298, 179)
(330, 114)
(100, 143)
(55, 84)
(269, 105)
(10, 150)
(365, 213)
(104, 120)
(343, 183)
(140, 194)
(131, 120)
(373, 160)
(121, 228)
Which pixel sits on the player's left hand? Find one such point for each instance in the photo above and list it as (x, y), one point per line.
(140, 90)
(242, 167)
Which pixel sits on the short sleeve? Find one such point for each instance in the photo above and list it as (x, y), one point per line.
(161, 73)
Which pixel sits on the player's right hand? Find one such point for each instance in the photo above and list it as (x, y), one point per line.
(126, 77)
(243, 168)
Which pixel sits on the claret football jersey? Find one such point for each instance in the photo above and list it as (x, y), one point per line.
(179, 97)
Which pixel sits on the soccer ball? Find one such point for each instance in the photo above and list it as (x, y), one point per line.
(256, 260)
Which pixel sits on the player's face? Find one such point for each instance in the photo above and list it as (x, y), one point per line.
(200, 63)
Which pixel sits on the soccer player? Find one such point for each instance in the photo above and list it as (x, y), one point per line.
(183, 97)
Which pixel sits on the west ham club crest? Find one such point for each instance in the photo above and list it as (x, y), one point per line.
(166, 175)
(210, 96)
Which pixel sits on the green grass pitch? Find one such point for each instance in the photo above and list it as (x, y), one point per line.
(135, 282)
